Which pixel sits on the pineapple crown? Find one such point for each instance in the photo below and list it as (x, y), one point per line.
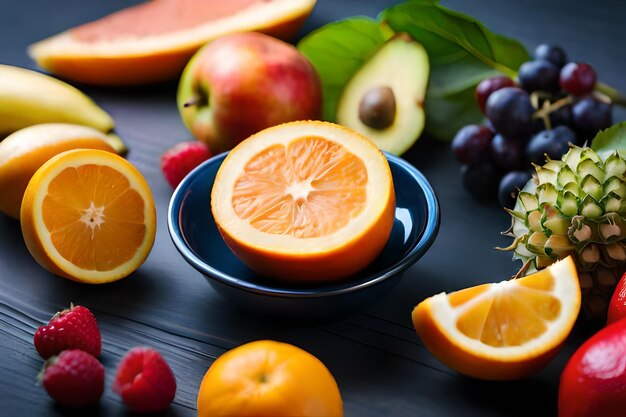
(576, 205)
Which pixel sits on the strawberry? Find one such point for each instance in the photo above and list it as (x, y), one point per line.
(74, 378)
(73, 328)
(144, 381)
(179, 160)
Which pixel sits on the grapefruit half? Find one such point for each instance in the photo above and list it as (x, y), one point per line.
(153, 41)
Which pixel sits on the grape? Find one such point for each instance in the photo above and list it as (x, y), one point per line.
(490, 126)
(511, 112)
(507, 153)
(481, 180)
(589, 116)
(538, 76)
(488, 86)
(561, 116)
(552, 54)
(551, 143)
(510, 185)
(472, 143)
(578, 78)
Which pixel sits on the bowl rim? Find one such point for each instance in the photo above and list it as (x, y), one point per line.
(425, 240)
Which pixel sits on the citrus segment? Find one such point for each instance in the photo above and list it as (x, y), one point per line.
(89, 216)
(505, 330)
(153, 41)
(305, 201)
(24, 151)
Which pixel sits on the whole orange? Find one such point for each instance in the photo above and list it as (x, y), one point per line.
(268, 379)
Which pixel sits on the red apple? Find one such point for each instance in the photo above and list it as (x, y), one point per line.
(242, 83)
(617, 306)
(593, 383)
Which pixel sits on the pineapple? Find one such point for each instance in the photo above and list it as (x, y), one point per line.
(575, 206)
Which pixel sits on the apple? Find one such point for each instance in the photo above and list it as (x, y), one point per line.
(245, 82)
(593, 383)
(617, 306)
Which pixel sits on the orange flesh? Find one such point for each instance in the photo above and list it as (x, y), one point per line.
(309, 189)
(512, 316)
(159, 17)
(96, 221)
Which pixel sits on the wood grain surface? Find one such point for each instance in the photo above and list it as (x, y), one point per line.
(380, 364)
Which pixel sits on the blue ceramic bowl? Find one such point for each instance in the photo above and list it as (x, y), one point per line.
(195, 235)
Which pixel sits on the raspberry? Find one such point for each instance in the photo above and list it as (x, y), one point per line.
(144, 381)
(179, 160)
(74, 378)
(73, 328)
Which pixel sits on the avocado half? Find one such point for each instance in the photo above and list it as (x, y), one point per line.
(384, 100)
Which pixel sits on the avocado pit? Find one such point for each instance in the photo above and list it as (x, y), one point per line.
(377, 108)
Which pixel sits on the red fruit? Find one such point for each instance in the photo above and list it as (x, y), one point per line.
(179, 160)
(593, 383)
(73, 328)
(488, 86)
(617, 307)
(577, 78)
(74, 378)
(145, 381)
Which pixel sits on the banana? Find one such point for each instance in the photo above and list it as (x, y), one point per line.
(29, 97)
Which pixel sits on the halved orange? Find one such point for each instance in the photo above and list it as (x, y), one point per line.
(88, 215)
(153, 41)
(505, 330)
(305, 201)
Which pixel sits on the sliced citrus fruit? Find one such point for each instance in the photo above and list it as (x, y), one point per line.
(153, 41)
(24, 151)
(506, 330)
(305, 201)
(88, 215)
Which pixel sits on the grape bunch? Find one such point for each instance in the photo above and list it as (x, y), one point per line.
(553, 103)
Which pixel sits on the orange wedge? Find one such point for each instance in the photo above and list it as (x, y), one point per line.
(502, 331)
(88, 215)
(153, 41)
(305, 201)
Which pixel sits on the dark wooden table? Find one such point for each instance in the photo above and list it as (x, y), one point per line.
(379, 363)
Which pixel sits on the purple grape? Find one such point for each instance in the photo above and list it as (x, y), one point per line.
(589, 116)
(551, 143)
(487, 86)
(511, 112)
(551, 53)
(471, 144)
(510, 185)
(561, 116)
(481, 180)
(507, 153)
(578, 78)
(538, 76)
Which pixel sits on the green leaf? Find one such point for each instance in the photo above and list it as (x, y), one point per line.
(462, 52)
(337, 50)
(609, 140)
(448, 35)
